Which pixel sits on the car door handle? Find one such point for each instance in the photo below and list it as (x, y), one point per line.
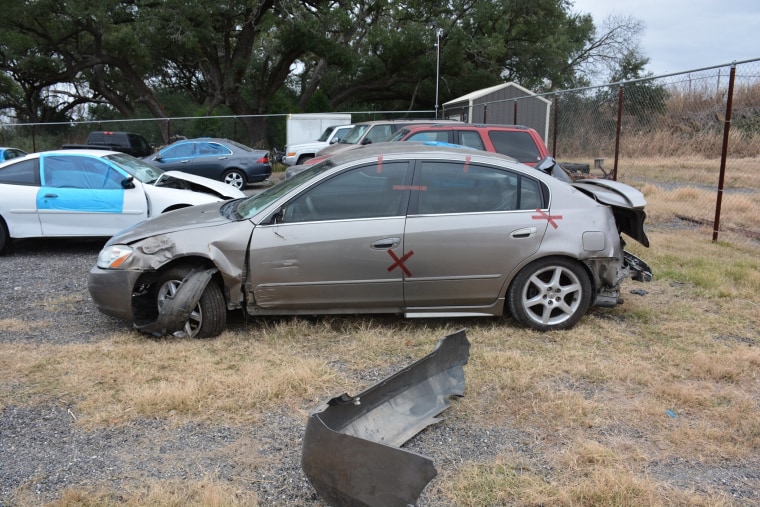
(527, 232)
(223, 158)
(386, 243)
(185, 162)
(51, 196)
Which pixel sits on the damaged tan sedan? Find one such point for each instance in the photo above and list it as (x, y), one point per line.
(419, 231)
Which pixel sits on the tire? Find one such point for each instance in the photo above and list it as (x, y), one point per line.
(209, 317)
(550, 294)
(235, 178)
(5, 238)
(303, 158)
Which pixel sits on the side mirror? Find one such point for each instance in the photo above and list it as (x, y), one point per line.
(128, 182)
(279, 217)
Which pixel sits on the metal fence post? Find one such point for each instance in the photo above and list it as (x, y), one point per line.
(617, 131)
(556, 125)
(724, 150)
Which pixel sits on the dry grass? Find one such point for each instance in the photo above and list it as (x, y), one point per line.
(668, 376)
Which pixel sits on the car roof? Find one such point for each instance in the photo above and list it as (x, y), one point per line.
(413, 150)
(467, 126)
(79, 151)
(410, 121)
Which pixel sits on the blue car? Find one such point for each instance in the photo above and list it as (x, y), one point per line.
(9, 153)
(215, 158)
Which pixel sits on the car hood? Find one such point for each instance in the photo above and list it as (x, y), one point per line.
(315, 145)
(199, 183)
(192, 217)
(627, 204)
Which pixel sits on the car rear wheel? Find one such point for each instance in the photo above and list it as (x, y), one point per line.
(235, 178)
(209, 316)
(550, 294)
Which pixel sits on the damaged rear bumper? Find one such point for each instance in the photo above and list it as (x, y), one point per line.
(351, 450)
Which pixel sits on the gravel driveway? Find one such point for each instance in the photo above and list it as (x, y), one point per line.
(42, 451)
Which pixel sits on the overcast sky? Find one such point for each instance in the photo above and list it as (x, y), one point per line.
(682, 35)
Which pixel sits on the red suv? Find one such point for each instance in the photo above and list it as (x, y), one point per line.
(521, 143)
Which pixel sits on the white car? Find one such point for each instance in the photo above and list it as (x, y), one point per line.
(92, 193)
(297, 154)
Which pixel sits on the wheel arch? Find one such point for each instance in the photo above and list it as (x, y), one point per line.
(145, 286)
(175, 207)
(586, 268)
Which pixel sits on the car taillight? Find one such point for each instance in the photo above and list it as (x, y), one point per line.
(263, 160)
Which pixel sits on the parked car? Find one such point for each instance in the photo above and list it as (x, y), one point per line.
(403, 228)
(371, 132)
(219, 159)
(125, 142)
(299, 153)
(9, 153)
(92, 193)
(524, 144)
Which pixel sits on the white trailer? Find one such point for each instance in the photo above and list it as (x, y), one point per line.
(307, 127)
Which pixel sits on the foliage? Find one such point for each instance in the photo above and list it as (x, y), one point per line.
(138, 58)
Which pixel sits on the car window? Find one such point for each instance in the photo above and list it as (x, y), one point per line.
(79, 172)
(340, 134)
(379, 133)
(179, 151)
(21, 173)
(452, 187)
(353, 135)
(138, 142)
(471, 139)
(374, 190)
(12, 153)
(142, 171)
(439, 136)
(207, 148)
(518, 145)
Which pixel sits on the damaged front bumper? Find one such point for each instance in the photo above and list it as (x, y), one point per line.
(351, 450)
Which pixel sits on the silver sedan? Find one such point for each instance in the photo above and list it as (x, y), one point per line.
(413, 230)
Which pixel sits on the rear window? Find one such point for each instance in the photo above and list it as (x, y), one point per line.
(518, 145)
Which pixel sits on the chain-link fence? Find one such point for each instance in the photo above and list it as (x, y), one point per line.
(689, 141)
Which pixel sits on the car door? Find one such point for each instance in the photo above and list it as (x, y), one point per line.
(210, 159)
(82, 195)
(468, 227)
(177, 157)
(19, 184)
(336, 246)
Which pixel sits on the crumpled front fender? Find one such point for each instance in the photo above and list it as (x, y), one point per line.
(351, 450)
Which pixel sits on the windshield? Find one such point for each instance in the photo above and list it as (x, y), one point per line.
(248, 208)
(325, 134)
(354, 135)
(398, 136)
(142, 171)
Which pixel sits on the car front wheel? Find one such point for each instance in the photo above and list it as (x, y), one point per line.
(550, 294)
(209, 316)
(235, 178)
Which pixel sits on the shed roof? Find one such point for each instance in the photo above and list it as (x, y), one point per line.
(491, 89)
